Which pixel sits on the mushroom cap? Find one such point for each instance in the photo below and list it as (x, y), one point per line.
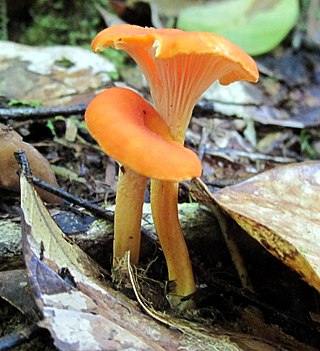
(168, 43)
(130, 130)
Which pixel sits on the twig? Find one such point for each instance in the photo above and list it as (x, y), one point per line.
(96, 210)
(41, 112)
(25, 168)
(109, 18)
(23, 163)
(207, 108)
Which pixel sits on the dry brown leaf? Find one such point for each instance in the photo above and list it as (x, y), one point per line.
(252, 104)
(280, 208)
(81, 311)
(84, 316)
(11, 142)
(59, 75)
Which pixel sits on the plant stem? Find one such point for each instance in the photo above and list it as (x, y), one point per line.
(128, 214)
(164, 205)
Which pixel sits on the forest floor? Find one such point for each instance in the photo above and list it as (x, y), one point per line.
(237, 134)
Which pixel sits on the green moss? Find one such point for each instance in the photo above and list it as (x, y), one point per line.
(62, 22)
(73, 22)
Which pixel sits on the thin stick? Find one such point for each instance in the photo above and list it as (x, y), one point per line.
(96, 210)
(24, 167)
(41, 112)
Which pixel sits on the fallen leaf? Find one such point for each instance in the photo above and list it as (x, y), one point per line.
(237, 93)
(82, 312)
(257, 27)
(11, 142)
(250, 103)
(38, 73)
(83, 315)
(280, 209)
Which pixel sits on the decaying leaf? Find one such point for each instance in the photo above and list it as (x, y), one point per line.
(11, 142)
(280, 208)
(59, 75)
(82, 312)
(246, 101)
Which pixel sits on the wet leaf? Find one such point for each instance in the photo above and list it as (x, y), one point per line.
(82, 315)
(79, 309)
(82, 312)
(256, 26)
(280, 208)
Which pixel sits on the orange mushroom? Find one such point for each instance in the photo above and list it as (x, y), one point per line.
(131, 131)
(179, 66)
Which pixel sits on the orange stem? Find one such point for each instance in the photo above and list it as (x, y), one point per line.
(128, 214)
(164, 205)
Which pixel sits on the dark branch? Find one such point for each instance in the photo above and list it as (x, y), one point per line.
(96, 210)
(41, 112)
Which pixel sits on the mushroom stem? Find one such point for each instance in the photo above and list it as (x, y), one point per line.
(128, 214)
(164, 205)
